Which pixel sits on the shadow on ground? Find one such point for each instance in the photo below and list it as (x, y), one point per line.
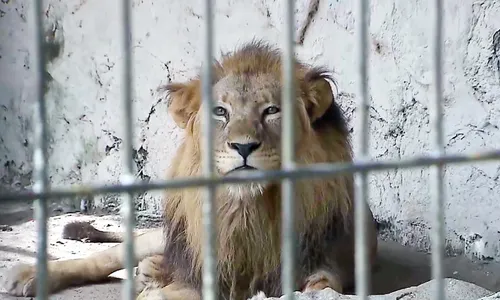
(400, 267)
(15, 213)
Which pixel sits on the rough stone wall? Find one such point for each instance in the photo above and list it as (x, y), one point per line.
(84, 96)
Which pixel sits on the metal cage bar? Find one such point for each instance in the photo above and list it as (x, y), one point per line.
(209, 238)
(361, 179)
(128, 159)
(41, 177)
(361, 166)
(436, 171)
(300, 172)
(288, 250)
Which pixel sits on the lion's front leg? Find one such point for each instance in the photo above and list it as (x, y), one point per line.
(173, 291)
(21, 279)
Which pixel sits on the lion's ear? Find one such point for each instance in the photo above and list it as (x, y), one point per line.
(184, 101)
(319, 96)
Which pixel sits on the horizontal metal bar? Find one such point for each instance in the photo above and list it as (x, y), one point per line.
(301, 172)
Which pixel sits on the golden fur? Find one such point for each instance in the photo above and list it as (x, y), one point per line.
(247, 89)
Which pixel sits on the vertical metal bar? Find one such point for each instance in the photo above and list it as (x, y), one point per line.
(288, 150)
(209, 243)
(127, 177)
(436, 171)
(40, 153)
(361, 179)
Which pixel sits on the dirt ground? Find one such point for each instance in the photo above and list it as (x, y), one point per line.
(398, 267)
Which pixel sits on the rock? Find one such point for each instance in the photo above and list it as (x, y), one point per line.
(455, 290)
(492, 297)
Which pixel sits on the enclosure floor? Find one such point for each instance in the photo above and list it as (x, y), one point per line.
(399, 266)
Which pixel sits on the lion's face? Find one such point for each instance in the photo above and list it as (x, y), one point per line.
(247, 133)
(247, 124)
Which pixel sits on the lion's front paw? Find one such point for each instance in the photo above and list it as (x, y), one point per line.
(148, 272)
(20, 280)
(151, 294)
(259, 296)
(321, 280)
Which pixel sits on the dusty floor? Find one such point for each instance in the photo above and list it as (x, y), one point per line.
(399, 267)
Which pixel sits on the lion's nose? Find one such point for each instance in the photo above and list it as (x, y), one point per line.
(244, 149)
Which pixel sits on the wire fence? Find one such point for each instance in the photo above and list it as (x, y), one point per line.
(360, 167)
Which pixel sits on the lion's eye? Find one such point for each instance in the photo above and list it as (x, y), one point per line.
(271, 110)
(219, 111)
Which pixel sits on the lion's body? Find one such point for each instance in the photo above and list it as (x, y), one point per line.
(248, 216)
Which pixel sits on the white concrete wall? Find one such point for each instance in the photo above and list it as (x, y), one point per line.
(84, 96)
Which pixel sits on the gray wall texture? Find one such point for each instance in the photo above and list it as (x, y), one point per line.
(84, 97)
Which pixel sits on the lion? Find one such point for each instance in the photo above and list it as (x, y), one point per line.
(247, 137)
